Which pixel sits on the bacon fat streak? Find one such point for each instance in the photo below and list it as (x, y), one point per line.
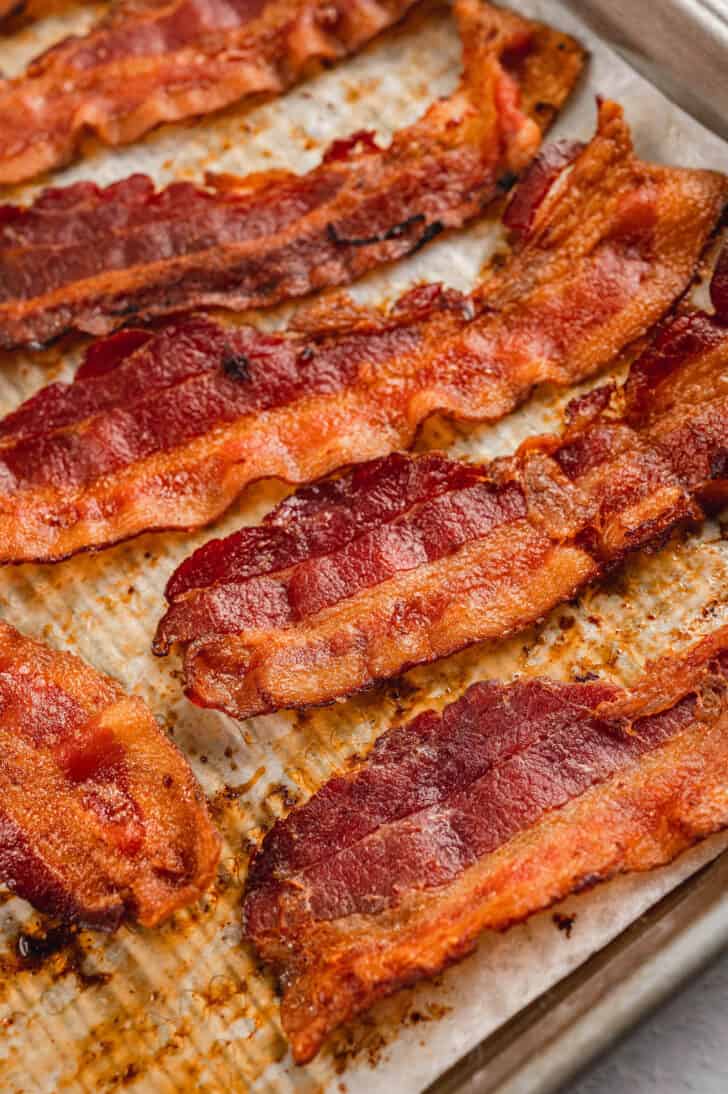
(411, 558)
(164, 429)
(152, 61)
(100, 815)
(514, 797)
(87, 258)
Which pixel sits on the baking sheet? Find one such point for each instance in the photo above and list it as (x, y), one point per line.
(186, 1006)
(680, 45)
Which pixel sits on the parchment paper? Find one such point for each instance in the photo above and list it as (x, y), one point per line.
(186, 1007)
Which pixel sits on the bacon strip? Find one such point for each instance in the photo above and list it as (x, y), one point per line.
(411, 558)
(154, 61)
(164, 429)
(719, 285)
(514, 797)
(87, 258)
(100, 816)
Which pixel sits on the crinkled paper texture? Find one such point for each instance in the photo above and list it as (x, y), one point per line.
(186, 1007)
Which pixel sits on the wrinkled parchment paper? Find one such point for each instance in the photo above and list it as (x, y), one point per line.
(185, 1007)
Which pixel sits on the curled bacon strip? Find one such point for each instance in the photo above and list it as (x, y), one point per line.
(411, 558)
(514, 797)
(152, 61)
(100, 816)
(87, 258)
(164, 429)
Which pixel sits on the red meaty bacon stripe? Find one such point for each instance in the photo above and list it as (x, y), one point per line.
(164, 429)
(356, 579)
(87, 258)
(474, 819)
(100, 816)
(154, 61)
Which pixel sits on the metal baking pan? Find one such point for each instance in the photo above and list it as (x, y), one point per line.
(543, 1047)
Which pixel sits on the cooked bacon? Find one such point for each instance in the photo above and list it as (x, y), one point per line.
(411, 558)
(474, 819)
(719, 285)
(549, 165)
(15, 14)
(154, 61)
(164, 429)
(87, 258)
(100, 816)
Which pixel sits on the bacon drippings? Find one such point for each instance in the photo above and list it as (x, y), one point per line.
(149, 62)
(380, 589)
(164, 430)
(87, 258)
(474, 819)
(100, 816)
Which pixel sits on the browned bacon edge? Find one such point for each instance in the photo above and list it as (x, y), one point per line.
(149, 63)
(8, 7)
(87, 258)
(100, 815)
(164, 429)
(410, 558)
(15, 14)
(516, 796)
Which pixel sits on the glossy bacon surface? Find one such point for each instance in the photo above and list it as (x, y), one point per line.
(337, 590)
(154, 61)
(87, 258)
(514, 797)
(164, 429)
(100, 816)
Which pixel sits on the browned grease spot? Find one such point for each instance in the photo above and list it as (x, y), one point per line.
(564, 923)
(234, 793)
(56, 950)
(367, 1037)
(286, 795)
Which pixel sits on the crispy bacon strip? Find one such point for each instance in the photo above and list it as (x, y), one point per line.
(514, 797)
(719, 285)
(154, 61)
(87, 258)
(410, 558)
(28, 11)
(100, 816)
(164, 430)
